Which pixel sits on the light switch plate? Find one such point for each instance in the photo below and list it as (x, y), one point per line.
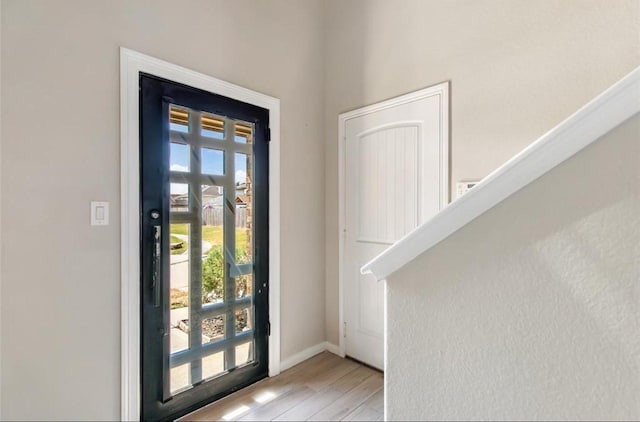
(99, 213)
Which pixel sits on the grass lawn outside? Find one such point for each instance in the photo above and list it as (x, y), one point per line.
(181, 249)
(211, 234)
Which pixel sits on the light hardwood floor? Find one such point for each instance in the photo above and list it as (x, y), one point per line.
(323, 388)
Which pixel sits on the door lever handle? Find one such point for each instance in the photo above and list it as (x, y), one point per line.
(157, 265)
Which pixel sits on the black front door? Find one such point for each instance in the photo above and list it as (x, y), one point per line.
(204, 246)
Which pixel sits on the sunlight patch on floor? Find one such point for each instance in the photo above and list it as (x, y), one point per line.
(236, 412)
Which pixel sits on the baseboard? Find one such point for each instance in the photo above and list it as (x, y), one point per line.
(301, 356)
(305, 354)
(332, 348)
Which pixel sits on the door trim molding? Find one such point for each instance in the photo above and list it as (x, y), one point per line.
(441, 89)
(131, 64)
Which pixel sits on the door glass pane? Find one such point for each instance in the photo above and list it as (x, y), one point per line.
(212, 161)
(212, 126)
(211, 196)
(213, 365)
(244, 353)
(243, 320)
(179, 119)
(179, 378)
(178, 157)
(179, 197)
(241, 164)
(244, 133)
(244, 208)
(212, 244)
(212, 329)
(179, 245)
(213, 275)
(244, 286)
(179, 287)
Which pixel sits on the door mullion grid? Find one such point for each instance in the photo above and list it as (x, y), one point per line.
(229, 142)
(195, 179)
(195, 249)
(230, 240)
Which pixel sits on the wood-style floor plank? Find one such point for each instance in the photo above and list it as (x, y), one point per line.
(309, 407)
(325, 387)
(275, 408)
(351, 380)
(376, 402)
(350, 401)
(363, 413)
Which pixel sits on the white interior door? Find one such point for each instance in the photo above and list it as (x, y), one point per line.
(395, 178)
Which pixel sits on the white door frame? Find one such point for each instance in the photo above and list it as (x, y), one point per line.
(442, 90)
(131, 64)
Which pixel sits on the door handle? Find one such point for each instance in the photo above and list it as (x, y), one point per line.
(156, 274)
(157, 264)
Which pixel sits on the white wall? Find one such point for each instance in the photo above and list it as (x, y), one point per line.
(517, 68)
(531, 311)
(60, 144)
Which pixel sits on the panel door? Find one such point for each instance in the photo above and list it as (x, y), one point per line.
(393, 183)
